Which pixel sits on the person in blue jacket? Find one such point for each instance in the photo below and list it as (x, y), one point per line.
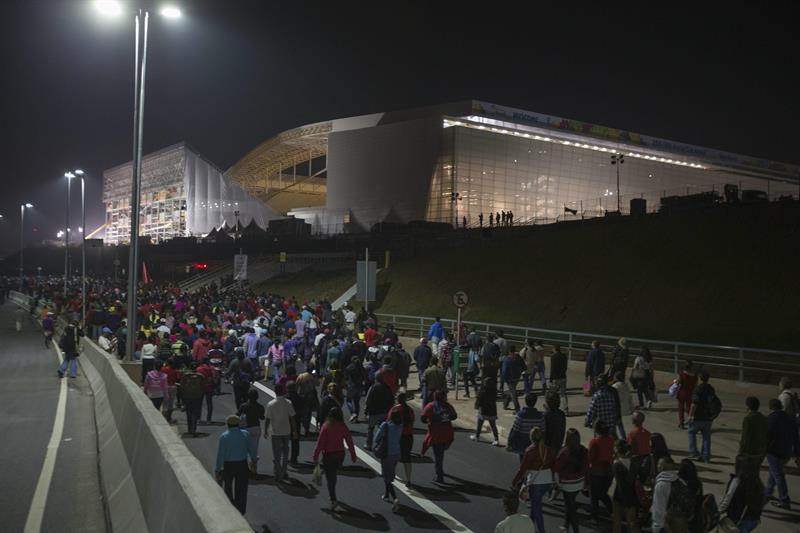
(595, 362)
(436, 334)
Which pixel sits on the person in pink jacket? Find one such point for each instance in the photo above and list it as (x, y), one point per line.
(330, 443)
(155, 385)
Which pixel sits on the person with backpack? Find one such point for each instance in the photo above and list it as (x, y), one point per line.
(439, 416)
(241, 377)
(387, 449)
(525, 420)
(687, 471)
(251, 413)
(70, 346)
(486, 405)
(191, 386)
(706, 406)
(407, 437)
(155, 385)
(789, 400)
(571, 468)
(783, 443)
(671, 496)
(378, 402)
(744, 496)
(625, 501)
(619, 358)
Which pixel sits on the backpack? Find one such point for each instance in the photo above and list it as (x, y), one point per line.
(381, 446)
(709, 512)
(441, 415)
(681, 501)
(192, 385)
(714, 407)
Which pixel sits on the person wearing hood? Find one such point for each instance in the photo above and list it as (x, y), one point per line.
(667, 480)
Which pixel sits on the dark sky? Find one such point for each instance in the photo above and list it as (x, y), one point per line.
(231, 73)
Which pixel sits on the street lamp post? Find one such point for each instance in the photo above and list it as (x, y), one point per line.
(618, 160)
(111, 7)
(22, 242)
(69, 176)
(82, 230)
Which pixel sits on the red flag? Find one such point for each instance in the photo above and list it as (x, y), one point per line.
(145, 276)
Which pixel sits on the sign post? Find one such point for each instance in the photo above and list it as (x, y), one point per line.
(365, 281)
(240, 267)
(460, 300)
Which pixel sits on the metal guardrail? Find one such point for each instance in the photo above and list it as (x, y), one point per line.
(757, 365)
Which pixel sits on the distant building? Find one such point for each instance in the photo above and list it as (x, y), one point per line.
(454, 161)
(182, 194)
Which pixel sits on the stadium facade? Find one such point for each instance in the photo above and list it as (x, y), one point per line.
(182, 195)
(455, 162)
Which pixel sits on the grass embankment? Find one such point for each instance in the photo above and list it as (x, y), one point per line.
(308, 285)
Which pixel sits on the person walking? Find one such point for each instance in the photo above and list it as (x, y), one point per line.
(744, 496)
(604, 405)
(639, 444)
(625, 500)
(782, 444)
(233, 451)
(536, 472)
(525, 420)
(70, 345)
(407, 437)
(687, 471)
(333, 436)
(490, 358)
(619, 358)
(275, 357)
(331, 398)
(49, 329)
(514, 522)
(625, 404)
(354, 382)
(155, 385)
(209, 374)
(533, 357)
(687, 381)
(753, 441)
(601, 456)
(435, 334)
(251, 413)
(379, 400)
(173, 380)
(299, 415)
(571, 468)
(642, 376)
(191, 387)
(511, 372)
(422, 357)
(558, 374)
(438, 415)
(555, 423)
(595, 362)
(672, 499)
(387, 448)
(280, 417)
(701, 415)
(434, 380)
(486, 405)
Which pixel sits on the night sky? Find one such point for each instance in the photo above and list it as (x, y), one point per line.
(231, 73)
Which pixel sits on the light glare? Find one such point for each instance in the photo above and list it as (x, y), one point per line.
(79, 172)
(69, 175)
(171, 12)
(108, 8)
(29, 205)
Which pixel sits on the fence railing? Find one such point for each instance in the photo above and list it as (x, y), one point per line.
(756, 365)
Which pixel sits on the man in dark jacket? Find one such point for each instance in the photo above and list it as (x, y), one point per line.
(70, 345)
(619, 358)
(595, 362)
(782, 444)
(490, 358)
(558, 373)
(511, 371)
(422, 356)
(379, 400)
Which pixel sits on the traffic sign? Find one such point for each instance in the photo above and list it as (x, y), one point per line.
(460, 299)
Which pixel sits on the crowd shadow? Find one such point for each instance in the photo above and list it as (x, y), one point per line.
(419, 519)
(475, 489)
(357, 471)
(354, 517)
(442, 495)
(198, 435)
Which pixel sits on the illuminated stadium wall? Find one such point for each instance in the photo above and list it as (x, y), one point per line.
(182, 194)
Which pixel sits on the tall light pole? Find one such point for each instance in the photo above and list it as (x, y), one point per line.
(69, 176)
(78, 173)
(618, 160)
(141, 21)
(22, 208)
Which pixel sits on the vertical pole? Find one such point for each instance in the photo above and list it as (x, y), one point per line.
(133, 259)
(618, 164)
(366, 279)
(421, 325)
(21, 243)
(66, 239)
(83, 253)
(741, 364)
(569, 348)
(675, 359)
(458, 331)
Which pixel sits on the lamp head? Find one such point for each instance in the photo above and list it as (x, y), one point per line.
(79, 172)
(108, 8)
(69, 175)
(29, 205)
(171, 12)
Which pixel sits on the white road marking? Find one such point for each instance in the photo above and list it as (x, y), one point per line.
(434, 510)
(33, 524)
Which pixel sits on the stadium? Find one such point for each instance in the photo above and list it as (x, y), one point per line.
(454, 164)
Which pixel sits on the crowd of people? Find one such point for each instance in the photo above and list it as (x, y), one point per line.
(321, 361)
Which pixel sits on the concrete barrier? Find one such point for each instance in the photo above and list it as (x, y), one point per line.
(151, 480)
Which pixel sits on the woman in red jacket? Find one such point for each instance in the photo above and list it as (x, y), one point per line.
(439, 415)
(330, 443)
(571, 468)
(688, 381)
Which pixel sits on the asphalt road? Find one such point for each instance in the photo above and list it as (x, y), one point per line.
(29, 390)
(477, 476)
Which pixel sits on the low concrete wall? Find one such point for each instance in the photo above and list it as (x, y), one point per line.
(151, 480)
